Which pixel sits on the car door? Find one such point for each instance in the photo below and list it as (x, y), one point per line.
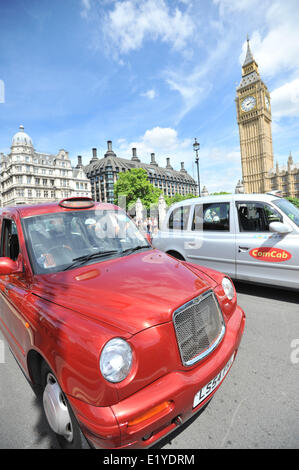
(213, 237)
(263, 256)
(13, 293)
(175, 231)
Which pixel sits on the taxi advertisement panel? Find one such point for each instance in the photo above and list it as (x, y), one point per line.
(270, 254)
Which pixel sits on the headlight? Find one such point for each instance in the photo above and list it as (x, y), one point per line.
(228, 288)
(116, 360)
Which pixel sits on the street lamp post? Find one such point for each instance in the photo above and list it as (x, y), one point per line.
(196, 147)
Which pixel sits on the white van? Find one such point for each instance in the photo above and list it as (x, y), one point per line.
(250, 237)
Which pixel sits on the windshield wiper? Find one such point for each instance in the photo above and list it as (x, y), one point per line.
(82, 259)
(135, 248)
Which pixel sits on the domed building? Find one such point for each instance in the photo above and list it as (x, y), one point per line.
(21, 139)
(31, 177)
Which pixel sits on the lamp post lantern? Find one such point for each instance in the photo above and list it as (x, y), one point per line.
(196, 147)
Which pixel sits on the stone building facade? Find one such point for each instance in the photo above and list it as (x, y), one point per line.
(31, 177)
(285, 178)
(103, 174)
(254, 118)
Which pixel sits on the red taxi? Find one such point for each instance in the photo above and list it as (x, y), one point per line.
(124, 342)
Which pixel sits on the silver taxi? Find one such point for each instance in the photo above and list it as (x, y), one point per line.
(250, 237)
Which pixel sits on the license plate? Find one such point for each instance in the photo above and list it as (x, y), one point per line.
(210, 387)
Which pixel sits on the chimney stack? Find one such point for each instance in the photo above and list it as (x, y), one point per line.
(79, 164)
(168, 163)
(183, 167)
(94, 155)
(134, 155)
(153, 160)
(109, 152)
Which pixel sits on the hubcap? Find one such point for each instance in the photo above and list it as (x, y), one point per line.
(56, 409)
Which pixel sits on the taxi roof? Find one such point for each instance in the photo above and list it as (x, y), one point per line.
(47, 208)
(227, 198)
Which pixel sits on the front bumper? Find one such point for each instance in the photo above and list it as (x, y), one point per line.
(107, 427)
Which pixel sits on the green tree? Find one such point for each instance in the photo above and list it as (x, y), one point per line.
(177, 198)
(219, 194)
(134, 184)
(294, 200)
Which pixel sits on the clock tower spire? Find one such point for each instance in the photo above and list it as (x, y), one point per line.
(254, 120)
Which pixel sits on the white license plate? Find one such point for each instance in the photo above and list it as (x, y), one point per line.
(210, 387)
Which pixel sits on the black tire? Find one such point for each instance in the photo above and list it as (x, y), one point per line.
(78, 440)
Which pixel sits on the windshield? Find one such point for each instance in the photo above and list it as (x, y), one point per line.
(289, 209)
(65, 240)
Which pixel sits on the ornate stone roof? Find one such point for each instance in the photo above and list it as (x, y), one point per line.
(21, 138)
(98, 165)
(249, 57)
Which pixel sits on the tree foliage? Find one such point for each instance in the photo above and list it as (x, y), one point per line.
(294, 200)
(219, 194)
(177, 198)
(134, 184)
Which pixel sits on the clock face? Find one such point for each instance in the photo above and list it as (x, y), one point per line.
(267, 102)
(248, 103)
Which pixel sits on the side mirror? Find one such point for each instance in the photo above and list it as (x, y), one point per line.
(279, 227)
(8, 266)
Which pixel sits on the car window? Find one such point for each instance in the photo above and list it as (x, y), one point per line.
(9, 240)
(256, 216)
(213, 216)
(178, 219)
(55, 240)
(289, 209)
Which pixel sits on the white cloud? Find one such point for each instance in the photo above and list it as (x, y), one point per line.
(150, 94)
(195, 85)
(165, 142)
(131, 22)
(285, 100)
(276, 48)
(226, 6)
(222, 161)
(85, 8)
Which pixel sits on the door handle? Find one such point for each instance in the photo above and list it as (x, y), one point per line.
(243, 249)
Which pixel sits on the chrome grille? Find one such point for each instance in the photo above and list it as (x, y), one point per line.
(199, 327)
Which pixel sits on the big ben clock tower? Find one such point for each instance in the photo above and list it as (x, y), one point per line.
(254, 120)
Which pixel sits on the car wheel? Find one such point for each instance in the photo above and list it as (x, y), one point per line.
(59, 414)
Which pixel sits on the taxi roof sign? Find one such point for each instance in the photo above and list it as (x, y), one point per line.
(76, 203)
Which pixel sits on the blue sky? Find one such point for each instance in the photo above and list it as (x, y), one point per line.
(151, 74)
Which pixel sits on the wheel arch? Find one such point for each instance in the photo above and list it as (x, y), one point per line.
(34, 366)
(175, 254)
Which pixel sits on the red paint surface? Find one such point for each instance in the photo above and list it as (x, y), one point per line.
(68, 317)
